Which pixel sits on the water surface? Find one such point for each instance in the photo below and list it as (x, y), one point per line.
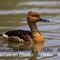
(16, 19)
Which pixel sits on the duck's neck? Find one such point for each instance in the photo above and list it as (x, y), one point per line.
(33, 28)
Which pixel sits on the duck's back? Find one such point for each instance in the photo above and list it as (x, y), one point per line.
(19, 33)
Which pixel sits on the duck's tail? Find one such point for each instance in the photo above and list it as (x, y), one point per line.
(1, 34)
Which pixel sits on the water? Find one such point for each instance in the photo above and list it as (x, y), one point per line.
(15, 18)
(37, 3)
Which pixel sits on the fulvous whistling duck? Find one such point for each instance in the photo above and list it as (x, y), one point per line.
(33, 36)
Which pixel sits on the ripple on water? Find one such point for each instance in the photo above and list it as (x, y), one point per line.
(22, 11)
(51, 31)
(51, 3)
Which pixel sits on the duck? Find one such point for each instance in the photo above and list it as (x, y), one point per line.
(34, 37)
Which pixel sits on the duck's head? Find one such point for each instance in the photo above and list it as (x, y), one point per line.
(34, 17)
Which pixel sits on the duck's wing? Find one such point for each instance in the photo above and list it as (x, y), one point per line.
(22, 34)
(18, 37)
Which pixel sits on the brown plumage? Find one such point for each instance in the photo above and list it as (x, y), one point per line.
(35, 39)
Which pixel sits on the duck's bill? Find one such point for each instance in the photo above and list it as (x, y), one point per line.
(43, 20)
